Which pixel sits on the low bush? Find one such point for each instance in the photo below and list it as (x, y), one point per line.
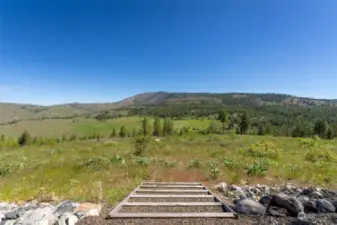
(321, 155)
(143, 161)
(196, 163)
(214, 173)
(95, 163)
(262, 150)
(170, 163)
(231, 163)
(117, 159)
(259, 167)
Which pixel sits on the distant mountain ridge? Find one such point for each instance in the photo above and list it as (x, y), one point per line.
(12, 111)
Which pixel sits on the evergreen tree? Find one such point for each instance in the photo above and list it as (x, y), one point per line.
(2, 138)
(113, 133)
(122, 132)
(157, 129)
(329, 133)
(134, 132)
(146, 127)
(320, 128)
(222, 117)
(244, 123)
(170, 127)
(261, 130)
(24, 139)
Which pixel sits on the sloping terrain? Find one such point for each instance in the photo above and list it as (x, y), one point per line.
(11, 112)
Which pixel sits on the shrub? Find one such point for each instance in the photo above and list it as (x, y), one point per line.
(320, 155)
(259, 167)
(96, 163)
(73, 137)
(214, 173)
(117, 159)
(262, 150)
(196, 163)
(170, 163)
(143, 161)
(231, 163)
(213, 164)
(307, 142)
(4, 170)
(141, 143)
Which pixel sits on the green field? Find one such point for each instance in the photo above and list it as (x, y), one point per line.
(82, 126)
(108, 170)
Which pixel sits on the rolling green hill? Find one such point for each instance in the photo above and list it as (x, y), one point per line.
(10, 112)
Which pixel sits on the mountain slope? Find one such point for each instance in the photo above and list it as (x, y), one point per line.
(10, 112)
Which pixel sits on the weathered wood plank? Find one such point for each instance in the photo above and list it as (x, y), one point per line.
(172, 215)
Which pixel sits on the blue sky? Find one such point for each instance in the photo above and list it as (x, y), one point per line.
(97, 51)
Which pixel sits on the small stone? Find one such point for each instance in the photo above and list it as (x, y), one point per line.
(80, 215)
(243, 182)
(67, 219)
(324, 206)
(221, 187)
(302, 216)
(334, 202)
(2, 217)
(88, 209)
(249, 206)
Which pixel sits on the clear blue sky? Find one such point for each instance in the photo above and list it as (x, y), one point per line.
(97, 51)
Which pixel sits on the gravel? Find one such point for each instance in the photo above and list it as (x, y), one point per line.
(159, 209)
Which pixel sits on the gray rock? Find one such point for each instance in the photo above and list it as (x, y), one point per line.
(290, 203)
(67, 219)
(8, 222)
(302, 216)
(265, 200)
(2, 217)
(63, 207)
(40, 216)
(324, 206)
(221, 187)
(334, 202)
(308, 204)
(15, 213)
(80, 215)
(277, 211)
(249, 206)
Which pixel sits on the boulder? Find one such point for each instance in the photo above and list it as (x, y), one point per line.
(64, 207)
(277, 211)
(324, 206)
(221, 187)
(334, 202)
(8, 222)
(249, 206)
(265, 200)
(291, 204)
(16, 213)
(40, 216)
(308, 204)
(88, 209)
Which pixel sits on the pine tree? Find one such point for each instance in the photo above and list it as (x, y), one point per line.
(320, 128)
(2, 137)
(25, 139)
(329, 133)
(261, 130)
(157, 129)
(222, 117)
(170, 127)
(113, 133)
(146, 127)
(122, 132)
(134, 132)
(244, 123)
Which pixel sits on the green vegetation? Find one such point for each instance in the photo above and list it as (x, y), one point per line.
(182, 137)
(73, 169)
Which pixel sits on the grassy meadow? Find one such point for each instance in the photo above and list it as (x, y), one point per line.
(108, 170)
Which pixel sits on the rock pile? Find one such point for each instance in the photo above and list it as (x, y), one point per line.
(280, 201)
(65, 213)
